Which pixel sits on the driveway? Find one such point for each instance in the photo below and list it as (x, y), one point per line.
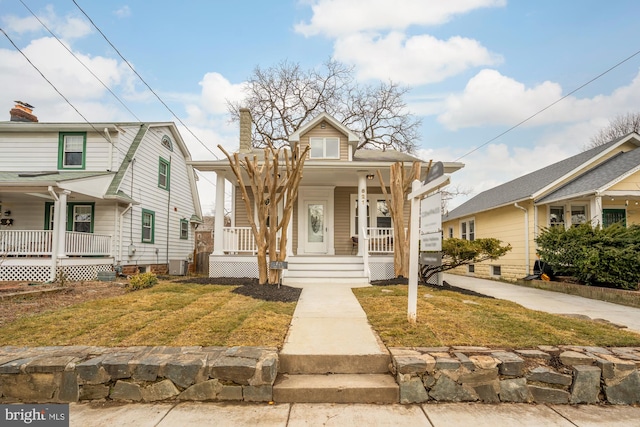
(549, 301)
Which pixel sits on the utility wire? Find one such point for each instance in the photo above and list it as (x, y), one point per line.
(60, 93)
(82, 63)
(143, 81)
(549, 106)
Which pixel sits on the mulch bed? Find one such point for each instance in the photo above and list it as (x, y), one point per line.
(445, 286)
(251, 288)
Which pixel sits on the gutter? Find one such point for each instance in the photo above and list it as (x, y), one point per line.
(526, 235)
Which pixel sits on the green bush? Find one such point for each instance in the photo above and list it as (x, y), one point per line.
(595, 256)
(142, 281)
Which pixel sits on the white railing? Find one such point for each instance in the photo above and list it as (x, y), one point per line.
(83, 244)
(40, 243)
(380, 240)
(237, 240)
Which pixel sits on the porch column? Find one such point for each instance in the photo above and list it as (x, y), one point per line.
(218, 228)
(60, 222)
(595, 206)
(362, 211)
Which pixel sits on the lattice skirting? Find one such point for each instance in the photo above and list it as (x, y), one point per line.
(233, 267)
(41, 273)
(381, 270)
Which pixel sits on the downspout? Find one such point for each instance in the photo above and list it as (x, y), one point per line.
(106, 132)
(168, 211)
(120, 231)
(526, 234)
(55, 237)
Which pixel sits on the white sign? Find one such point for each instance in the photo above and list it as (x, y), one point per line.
(431, 214)
(431, 242)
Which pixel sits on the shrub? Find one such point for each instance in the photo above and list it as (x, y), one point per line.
(142, 281)
(595, 256)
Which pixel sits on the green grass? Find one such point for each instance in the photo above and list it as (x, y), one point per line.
(167, 314)
(446, 318)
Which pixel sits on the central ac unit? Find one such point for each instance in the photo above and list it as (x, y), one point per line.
(178, 267)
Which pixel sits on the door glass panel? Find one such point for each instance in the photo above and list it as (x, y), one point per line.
(82, 219)
(316, 223)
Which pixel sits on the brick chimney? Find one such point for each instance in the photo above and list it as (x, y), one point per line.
(22, 113)
(245, 130)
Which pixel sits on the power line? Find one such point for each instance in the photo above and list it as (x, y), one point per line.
(60, 93)
(143, 81)
(78, 59)
(549, 106)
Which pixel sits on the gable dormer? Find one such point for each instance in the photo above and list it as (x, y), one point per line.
(329, 139)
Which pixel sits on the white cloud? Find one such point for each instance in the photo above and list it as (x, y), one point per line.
(338, 17)
(412, 60)
(68, 27)
(490, 98)
(123, 12)
(216, 90)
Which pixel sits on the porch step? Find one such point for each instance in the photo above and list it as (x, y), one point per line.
(338, 269)
(336, 388)
(334, 363)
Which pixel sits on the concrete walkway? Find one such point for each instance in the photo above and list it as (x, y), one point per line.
(304, 414)
(329, 320)
(549, 301)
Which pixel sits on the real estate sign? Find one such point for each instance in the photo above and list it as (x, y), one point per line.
(431, 223)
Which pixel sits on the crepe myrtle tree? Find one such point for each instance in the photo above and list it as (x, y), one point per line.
(272, 180)
(457, 252)
(400, 187)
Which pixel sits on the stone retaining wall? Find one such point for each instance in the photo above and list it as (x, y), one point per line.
(558, 375)
(136, 374)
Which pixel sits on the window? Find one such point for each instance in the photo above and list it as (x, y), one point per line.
(324, 148)
(379, 216)
(450, 232)
(613, 216)
(471, 268)
(496, 270)
(383, 214)
(79, 217)
(468, 229)
(148, 226)
(556, 216)
(72, 150)
(184, 229)
(163, 174)
(578, 214)
(166, 143)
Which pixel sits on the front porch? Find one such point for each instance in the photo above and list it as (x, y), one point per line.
(371, 259)
(35, 255)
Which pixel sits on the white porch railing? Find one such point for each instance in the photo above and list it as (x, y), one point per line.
(380, 240)
(237, 240)
(40, 243)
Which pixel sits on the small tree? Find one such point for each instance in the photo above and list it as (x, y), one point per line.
(619, 126)
(400, 187)
(274, 179)
(457, 252)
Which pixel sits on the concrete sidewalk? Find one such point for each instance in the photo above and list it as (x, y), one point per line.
(550, 302)
(305, 414)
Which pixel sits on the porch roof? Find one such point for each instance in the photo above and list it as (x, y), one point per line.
(45, 177)
(598, 178)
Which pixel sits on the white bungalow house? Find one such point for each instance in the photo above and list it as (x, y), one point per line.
(82, 198)
(329, 237)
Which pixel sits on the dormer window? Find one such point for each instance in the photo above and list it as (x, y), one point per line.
(324, 148)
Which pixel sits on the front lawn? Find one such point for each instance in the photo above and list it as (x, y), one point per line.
(168, 314)
(447, 318)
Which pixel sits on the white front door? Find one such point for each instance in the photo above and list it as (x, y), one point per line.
(316, 226)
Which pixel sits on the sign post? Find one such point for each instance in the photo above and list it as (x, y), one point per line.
(418, 190)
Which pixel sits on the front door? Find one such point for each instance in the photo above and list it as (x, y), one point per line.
(316, 226)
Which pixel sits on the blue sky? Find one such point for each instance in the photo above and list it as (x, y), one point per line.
(475, 67)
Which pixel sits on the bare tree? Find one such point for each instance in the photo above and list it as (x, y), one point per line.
(285, 97)
(619, 126)
(400, 187)
(272, 180)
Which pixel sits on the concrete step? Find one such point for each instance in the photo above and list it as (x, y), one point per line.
(336, 388)
(334, 363)
(326, 267)
(300, 281)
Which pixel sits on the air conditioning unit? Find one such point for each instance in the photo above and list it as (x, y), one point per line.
(178, 267)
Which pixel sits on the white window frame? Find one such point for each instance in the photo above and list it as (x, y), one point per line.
(326, 142)
(466, 225)
(564, 215)
(586, 213)
(493, 271)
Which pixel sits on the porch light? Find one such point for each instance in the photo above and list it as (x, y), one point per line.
(7, 213)
(370, 177)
